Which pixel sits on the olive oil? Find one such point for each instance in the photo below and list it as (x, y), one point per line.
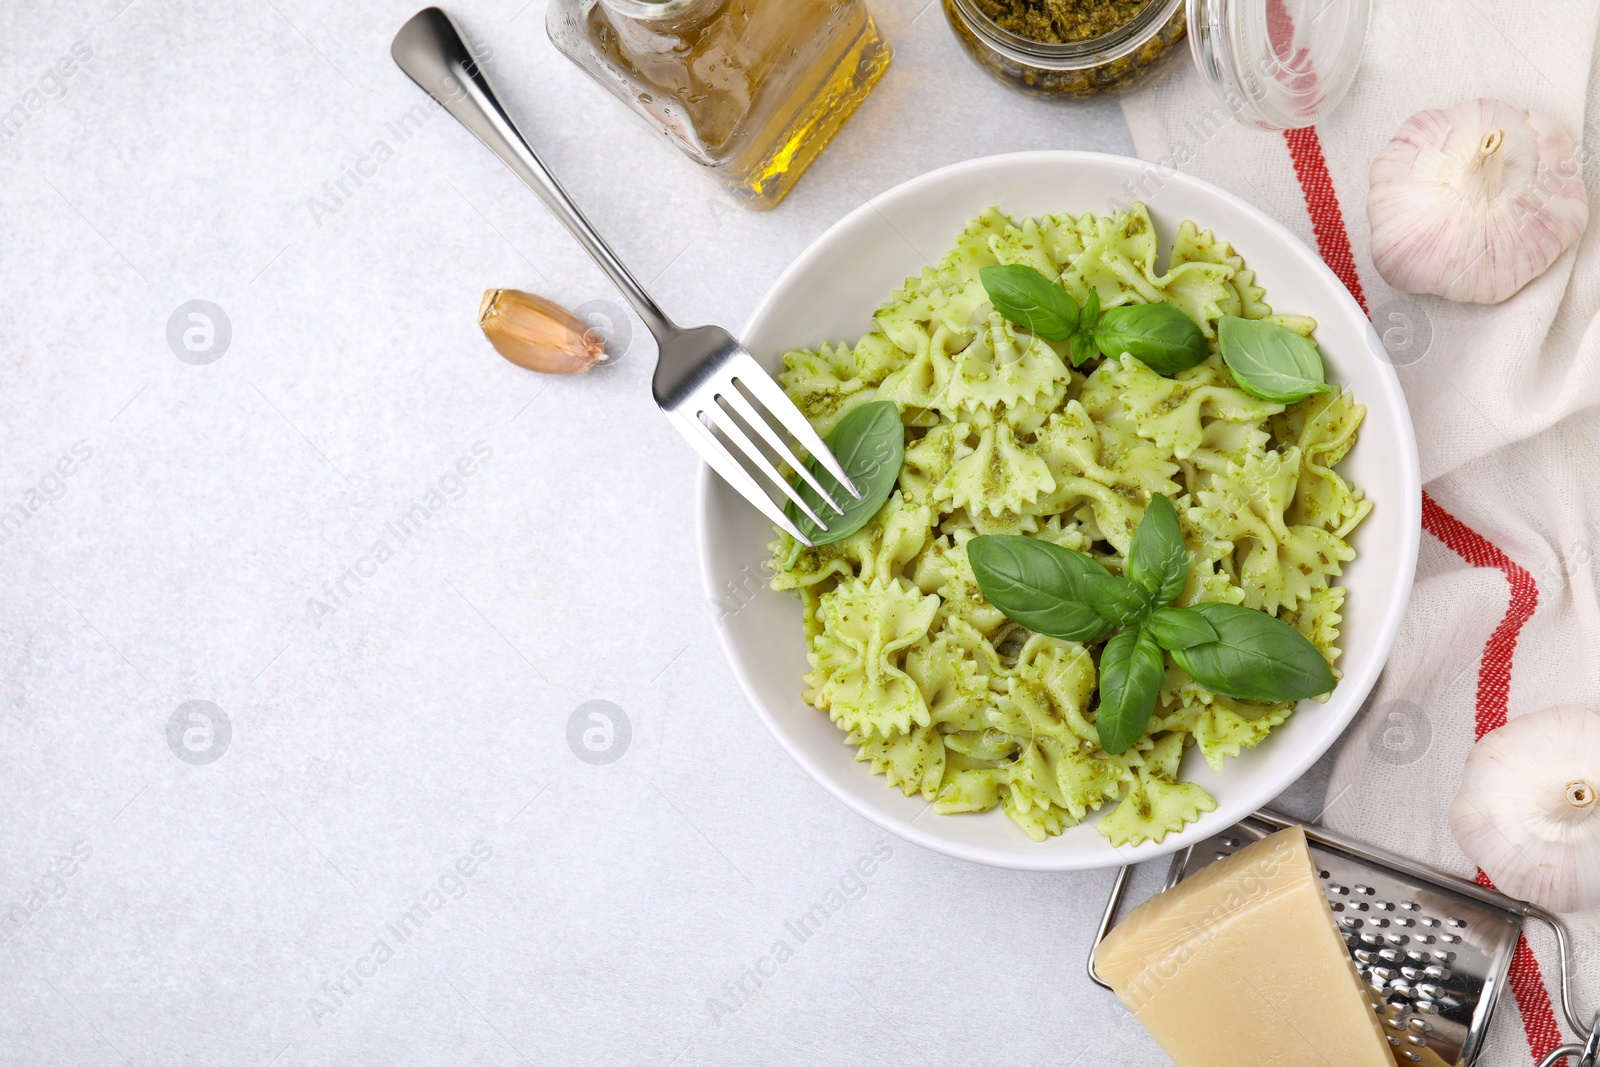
(751, 89)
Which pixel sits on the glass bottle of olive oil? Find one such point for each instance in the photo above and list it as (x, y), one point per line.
(752, 89)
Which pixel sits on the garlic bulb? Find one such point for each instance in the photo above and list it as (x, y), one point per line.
(1529, 808)
(1473, 202)
(537, 334)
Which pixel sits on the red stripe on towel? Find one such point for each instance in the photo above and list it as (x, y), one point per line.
(1494, 672)
(1494, 669)
(1327, 221)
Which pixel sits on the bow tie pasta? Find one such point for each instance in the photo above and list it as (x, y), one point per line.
(940, 692)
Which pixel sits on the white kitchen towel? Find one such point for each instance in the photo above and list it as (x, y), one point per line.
(1505, 616)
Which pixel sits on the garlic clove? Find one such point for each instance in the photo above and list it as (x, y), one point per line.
(1474, 201)
(538, 334)
(1528, 811)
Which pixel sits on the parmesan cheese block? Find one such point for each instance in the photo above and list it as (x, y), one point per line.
(1241, 963)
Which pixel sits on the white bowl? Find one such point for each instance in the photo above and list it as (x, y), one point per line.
(830, 293)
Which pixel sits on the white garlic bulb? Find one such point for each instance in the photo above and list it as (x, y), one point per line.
(1473, 202)
(1529, 808)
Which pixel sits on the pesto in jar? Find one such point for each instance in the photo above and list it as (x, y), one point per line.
(1061, 21)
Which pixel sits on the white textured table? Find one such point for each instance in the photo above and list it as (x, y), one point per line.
(393, 566)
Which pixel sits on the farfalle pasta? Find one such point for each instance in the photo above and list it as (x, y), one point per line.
(940, 692)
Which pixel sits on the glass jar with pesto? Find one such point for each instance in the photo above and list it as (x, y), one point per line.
(1068, 47)
(1276, 64)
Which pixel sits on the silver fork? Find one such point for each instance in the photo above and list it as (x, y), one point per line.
(699, 370)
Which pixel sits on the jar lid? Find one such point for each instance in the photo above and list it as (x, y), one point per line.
(1278, 64)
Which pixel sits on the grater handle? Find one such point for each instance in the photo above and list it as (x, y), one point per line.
(1586, 1053)
(1118, 889)
(1590, 1035)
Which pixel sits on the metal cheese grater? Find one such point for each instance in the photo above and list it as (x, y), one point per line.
(1433, 949)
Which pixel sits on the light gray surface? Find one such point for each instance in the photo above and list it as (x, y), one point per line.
(374, 744)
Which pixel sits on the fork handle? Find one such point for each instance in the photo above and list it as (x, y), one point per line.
(430, 50)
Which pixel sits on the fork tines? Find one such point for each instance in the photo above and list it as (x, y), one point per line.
(712, 418)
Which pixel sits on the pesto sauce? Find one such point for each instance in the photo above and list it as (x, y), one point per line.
(1061, 21)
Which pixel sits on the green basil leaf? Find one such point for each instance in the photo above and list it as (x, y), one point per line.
(1158, 558)
(1131, 670)
(1175, 628)
(1270, 361)
(1040, 585)
(1117, 599)
(1255, 657)
(1029, 299)
(870, 443)
(1082, 347)
(1158, 335)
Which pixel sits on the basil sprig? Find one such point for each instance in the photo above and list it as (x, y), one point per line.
(1158, 334)
(870, 443)
(1269, 361)
(1231, 650)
